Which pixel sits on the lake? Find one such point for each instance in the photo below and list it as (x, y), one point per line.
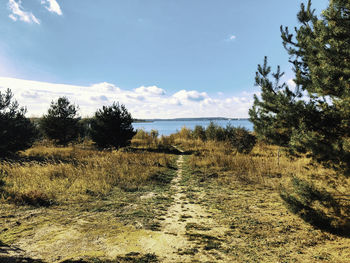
(169, 127)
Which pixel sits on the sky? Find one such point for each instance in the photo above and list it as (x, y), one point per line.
(160, 58)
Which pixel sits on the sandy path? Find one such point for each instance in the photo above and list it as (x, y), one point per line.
(193, 227)
(187, 233)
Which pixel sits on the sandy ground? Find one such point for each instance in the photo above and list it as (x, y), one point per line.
(183, 221)
(187, 233)
(255, 226)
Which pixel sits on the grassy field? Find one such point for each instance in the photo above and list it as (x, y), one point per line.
(152, 203)
(278, 209)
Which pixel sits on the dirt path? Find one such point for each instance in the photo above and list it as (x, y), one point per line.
(186, 232)
(198, 237)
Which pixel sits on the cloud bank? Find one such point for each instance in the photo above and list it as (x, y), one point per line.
(142, 102)
(52, 6)
(17, 12)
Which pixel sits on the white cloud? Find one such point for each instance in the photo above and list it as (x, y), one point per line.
(142, 102)
(52, 6)
(105, 86)
(193, 95)
(135, 97)
(291, 83)
(17, 12)
(232, 37)
(12, 17)
(100, 98)
(151, 90)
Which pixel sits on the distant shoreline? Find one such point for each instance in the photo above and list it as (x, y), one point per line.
(191, 119)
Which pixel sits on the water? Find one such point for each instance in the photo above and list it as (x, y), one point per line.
(169, 127)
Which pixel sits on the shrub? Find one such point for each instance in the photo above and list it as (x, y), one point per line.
(185, 133)
(16, 131)
(154, 134)
(143, 138)
(112, 127)
(167, 141)
(240, 138)
(199, 133)
(214, 132)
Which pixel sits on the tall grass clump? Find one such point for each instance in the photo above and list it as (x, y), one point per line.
(74, 174)
(145, 139)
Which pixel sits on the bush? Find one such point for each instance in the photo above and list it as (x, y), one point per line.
(112, 127)
(184, 133)
(199, 133)
(143, 138)
(214, 132)
(61, 123)
(240, 138)
(167, 141)
(16, 131)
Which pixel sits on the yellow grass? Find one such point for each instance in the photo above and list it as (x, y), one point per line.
(302, 183)
(71, 173)
(242, 192)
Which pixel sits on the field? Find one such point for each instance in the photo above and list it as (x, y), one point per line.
(151, 202)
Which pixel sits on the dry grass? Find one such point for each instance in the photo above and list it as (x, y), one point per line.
(100, 195)
(281, 209)
(75, 202)
(57, 175)
(262, 166)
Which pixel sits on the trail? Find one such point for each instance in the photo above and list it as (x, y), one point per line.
(197, 236)
(187, 233)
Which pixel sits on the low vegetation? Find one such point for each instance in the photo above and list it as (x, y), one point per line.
(278, 207)
(319, 195)
(267, 203)
(47, 175)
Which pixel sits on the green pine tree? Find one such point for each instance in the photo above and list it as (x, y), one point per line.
(320, 53)
(16, 131)
(61, 123)
(112, 127)
(316, 117)
(277, 112)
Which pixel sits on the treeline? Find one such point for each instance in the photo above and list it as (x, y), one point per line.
(111, 126)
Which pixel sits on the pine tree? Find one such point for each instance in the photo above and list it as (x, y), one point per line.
(277, 112)
(315, 118)
(199, 133)
(320, 53)
(16, 131)
(112, 127)
(61, 123)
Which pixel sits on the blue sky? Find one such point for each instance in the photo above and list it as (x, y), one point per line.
(161, 58)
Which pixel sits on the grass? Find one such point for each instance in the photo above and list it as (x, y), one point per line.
(77, 204)
(254, 194)
(76, 175)
(76, 194)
